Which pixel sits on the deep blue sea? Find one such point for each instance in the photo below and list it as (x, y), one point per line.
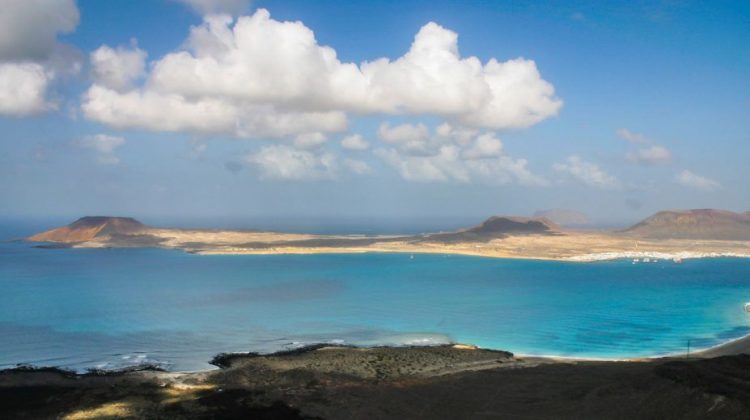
(110, 308)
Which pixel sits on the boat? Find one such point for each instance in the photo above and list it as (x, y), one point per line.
(747, 307)
(677, 260)
(647, 260)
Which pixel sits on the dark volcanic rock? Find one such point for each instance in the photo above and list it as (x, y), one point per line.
(498, 227)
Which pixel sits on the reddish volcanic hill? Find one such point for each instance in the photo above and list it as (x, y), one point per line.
(694, 224)
(87, 228)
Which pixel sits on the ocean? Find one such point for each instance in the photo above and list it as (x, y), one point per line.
(113, 308)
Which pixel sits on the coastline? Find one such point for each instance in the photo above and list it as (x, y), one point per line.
(583, 258)
(331, 381)
(570, 247)
(731, 347)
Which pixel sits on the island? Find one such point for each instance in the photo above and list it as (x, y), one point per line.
(672, 234)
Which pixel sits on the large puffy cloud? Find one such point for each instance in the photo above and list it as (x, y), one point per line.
(22, 88)
(29, 28)
(695, 181)
(433, 78)
(30, 55)
(586, 173)
(117, 68)
(257, 62)
(452, 154)
(171, 112)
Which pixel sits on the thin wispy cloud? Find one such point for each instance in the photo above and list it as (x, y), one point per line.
(632, 137)
(692, 180)
(104, 146)
(652, 155)
(587, 173)
(355, 142)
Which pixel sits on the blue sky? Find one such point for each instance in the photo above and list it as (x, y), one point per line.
(615, 109)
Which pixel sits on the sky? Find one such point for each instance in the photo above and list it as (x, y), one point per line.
(405, 114)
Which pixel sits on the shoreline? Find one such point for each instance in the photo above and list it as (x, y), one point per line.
(334, 382)
(582, 258)
(731, 347)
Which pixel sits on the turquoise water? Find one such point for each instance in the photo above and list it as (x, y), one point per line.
(109, 308)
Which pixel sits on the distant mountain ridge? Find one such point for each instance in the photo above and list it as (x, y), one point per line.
(694, 224)
(90, 227)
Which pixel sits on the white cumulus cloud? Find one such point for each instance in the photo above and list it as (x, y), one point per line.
(30, 55)
(411, 138)
(403, 133)
(284, 162)
(171, 112)
(355, 142)
(117, 68)
(586, 173)
(485, 146)
(452, 155)
(29, 28)
(22, 88)
(692, 180)
(254, 64)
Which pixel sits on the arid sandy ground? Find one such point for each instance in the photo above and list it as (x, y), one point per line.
(565, 245)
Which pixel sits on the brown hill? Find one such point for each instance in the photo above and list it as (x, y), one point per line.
(499, 227)
(87, 228)
(564, 217)
(694, 224)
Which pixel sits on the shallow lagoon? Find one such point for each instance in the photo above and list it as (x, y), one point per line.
(109, 308)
